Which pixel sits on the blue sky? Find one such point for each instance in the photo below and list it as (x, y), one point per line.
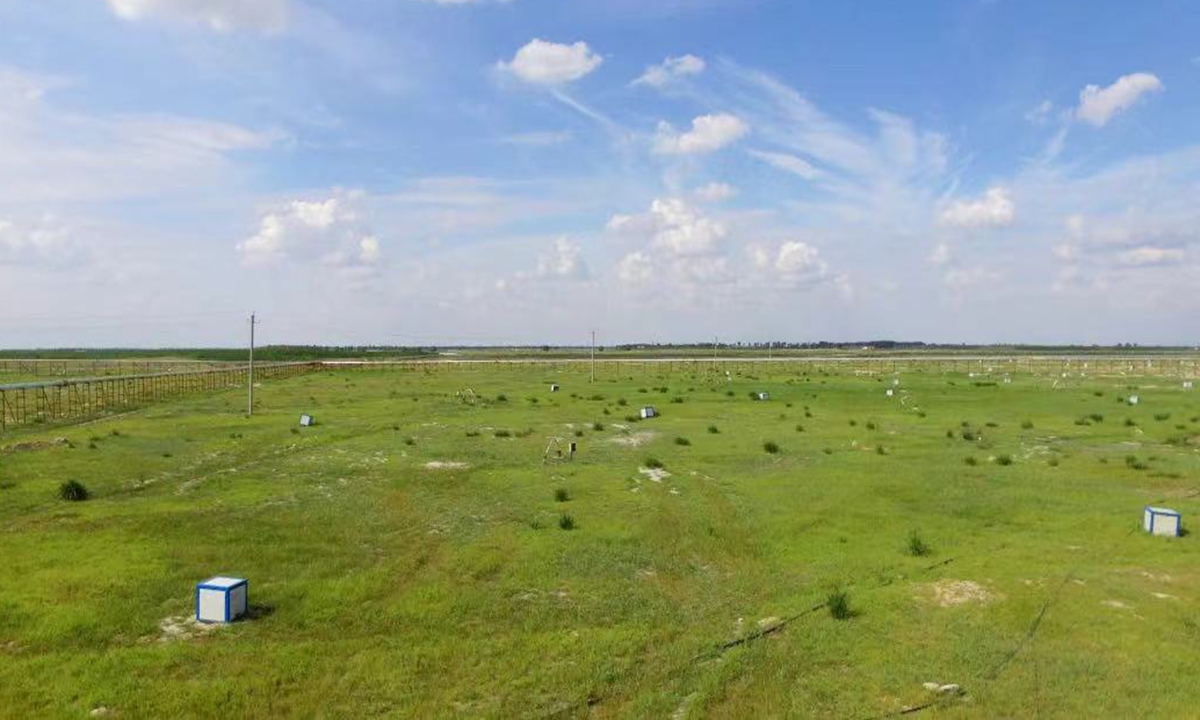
(482, 171)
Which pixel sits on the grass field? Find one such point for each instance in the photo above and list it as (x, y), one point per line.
(407, 556)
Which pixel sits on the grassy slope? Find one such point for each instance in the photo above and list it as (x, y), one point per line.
(383, 587)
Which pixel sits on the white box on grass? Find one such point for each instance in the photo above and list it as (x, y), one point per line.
(648, 412)
(307, 421)
(1161, 521)
(222, 599)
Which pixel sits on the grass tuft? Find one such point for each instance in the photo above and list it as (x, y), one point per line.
(917, 547)
(771, 447)
(73, 491)
(566, 522)
(561, 495)
(838, 603)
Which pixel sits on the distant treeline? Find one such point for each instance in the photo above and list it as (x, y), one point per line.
(266, 353)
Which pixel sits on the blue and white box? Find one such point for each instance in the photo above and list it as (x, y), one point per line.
(222, 599)
(307, 421)
(1161, 521)
(649, 412)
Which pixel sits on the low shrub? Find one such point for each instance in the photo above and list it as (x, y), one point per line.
(713, 430)
(73, 491)
(682, 441)
(561, 495)
(653, 463)
(566, 522)
(1004, 460)
(771, 447)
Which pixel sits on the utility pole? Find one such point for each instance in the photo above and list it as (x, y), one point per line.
(250, 384)
(593, 356)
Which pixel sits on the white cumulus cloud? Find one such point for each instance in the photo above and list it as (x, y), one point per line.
(709, 133)
(329, 231)
(800, 264)
(548, 63)
(635, 268)
(994, 209)
(1098, 105)
(663, 74)
(564, 261)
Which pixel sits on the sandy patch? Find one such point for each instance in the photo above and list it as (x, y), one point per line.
(1114, 604)
(947, 593)
(655, 474)
(637, 439)
(446, 465)
(34, 445)
(184, 627)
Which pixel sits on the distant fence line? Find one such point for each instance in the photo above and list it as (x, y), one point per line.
(73, 368)
(75, 399)
(1156, 365)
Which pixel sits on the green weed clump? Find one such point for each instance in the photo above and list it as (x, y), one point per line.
(598, 427)
(1004, 460)
(1027, 425)
(917, 547)
(73, 491)
(682, 441)
(566, 522)
(713, 430)
(561, 495)
(771, 447)
(653, 463)
(970, 460)
(838, 603)
(503, 433)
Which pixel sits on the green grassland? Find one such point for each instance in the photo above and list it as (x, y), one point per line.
(382, 585)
